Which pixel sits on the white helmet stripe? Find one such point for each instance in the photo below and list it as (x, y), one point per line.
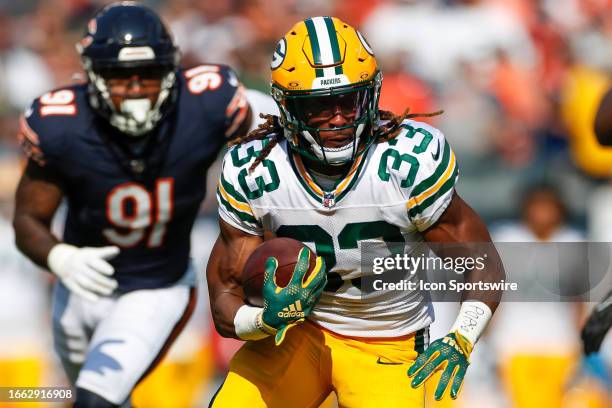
(329, 72)
(327, 56)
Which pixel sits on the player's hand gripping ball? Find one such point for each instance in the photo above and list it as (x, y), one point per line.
(293, 280)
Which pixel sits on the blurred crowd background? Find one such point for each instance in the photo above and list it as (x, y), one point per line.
(519, 81)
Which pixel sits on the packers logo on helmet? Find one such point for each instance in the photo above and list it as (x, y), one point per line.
(323, 61)
(279, 54)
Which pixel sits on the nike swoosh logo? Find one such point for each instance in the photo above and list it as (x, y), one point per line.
(436, 155)
(379, 361)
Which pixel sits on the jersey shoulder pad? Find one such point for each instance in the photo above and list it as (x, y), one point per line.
(239, 186)
(239, 158)
(216, 90)
(45, 126)
(253, 181)
(422, 164)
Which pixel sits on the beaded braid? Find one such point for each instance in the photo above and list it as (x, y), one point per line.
(265, 151)
(391, 129)
(273, 129)
(271, 125)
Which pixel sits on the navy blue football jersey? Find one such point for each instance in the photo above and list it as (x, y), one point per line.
(143, 198)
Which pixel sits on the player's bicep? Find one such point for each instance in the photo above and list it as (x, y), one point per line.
(38, 194)
(460, 226)
(458, 223)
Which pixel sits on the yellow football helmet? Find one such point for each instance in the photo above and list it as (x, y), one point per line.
(323, 61)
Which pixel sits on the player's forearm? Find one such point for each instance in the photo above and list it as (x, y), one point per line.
(224, 308)
(33, 238)
(224, 291)
(463, 234)
(478, 305)
(231, 315)
(493, 272)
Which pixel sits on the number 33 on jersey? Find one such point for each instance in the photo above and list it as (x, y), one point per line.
(393, 192)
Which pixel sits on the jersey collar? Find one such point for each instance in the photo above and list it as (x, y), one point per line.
(342, 187)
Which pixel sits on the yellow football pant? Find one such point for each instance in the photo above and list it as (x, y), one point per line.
(312, 362)
(23, 372)
(535, 381)
(175, 384)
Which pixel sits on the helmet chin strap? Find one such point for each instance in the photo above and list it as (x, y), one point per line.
(135, 116)
(339, 155)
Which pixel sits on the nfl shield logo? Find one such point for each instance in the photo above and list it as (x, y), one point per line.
(329, 200)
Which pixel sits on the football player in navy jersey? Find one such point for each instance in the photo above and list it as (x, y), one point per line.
(128, 150)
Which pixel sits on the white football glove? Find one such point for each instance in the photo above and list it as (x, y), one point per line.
(84, 270)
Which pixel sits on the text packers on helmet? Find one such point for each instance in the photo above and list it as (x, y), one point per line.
(318, 59)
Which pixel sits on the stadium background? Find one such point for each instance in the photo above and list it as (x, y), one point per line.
(519, 81)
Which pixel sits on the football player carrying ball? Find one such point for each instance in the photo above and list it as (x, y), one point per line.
(334, 172)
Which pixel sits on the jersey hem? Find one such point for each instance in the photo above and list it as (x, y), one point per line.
(233, 223)
(359, 334)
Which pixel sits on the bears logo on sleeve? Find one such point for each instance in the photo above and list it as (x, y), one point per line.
(30, 142)
(51, 122)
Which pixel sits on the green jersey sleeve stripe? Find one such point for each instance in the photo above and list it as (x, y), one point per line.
(243, 216)
(431, 180)
(232, 191)
(448, 185)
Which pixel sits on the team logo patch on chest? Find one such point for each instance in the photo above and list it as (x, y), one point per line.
(329, 200)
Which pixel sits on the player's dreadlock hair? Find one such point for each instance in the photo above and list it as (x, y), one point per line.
(273, 129)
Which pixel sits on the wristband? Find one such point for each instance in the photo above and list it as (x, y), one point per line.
(472, 320)
(247, 323)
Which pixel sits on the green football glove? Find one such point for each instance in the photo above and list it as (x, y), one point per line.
(450, 353)
(285, 307)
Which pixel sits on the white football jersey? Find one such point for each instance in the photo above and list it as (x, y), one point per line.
(394, 191)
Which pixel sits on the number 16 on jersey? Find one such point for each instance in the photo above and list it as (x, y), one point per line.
(147, 210)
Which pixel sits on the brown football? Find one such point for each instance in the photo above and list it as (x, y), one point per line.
(286, 251)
